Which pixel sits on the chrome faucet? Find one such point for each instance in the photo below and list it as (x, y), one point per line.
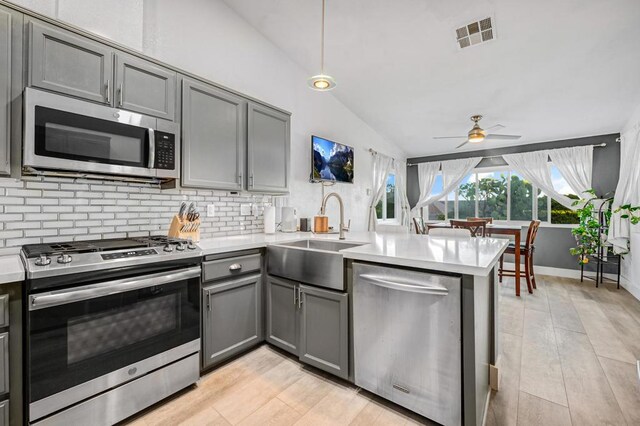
(324, 207)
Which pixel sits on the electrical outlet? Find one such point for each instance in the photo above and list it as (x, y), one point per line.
(211, 210)
(245, 210)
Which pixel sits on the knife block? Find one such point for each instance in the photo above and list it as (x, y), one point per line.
(175, 230)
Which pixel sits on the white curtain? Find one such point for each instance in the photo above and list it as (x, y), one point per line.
(534, 167)
(382, 166)
(427, 173)
(400, 171)
(575, 165)
(627, 191)
(453, 172)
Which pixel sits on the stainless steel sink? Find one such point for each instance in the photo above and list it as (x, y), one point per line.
(317, 262)
(324, 245)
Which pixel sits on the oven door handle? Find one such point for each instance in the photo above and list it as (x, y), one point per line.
(92, 291)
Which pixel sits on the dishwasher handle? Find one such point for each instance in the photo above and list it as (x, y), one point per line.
(406, 285)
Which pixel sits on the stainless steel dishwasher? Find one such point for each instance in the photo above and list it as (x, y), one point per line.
(407, 339)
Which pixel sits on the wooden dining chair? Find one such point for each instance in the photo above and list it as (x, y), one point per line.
(476, 227)
(419, 225)
(486, 219)
(526, 251)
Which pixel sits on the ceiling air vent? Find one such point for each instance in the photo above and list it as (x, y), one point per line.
(475, 33)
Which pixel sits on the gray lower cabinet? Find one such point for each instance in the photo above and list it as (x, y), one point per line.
(282, 314)
(67, 63)
(4, 413)
(309, 322)
(232, 317)
(144, 87)
(324, 325)
(268, 145)
(5, 89)
(213, 137)
(4, 363)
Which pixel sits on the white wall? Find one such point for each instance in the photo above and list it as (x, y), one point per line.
(631, 263)
(207, 38)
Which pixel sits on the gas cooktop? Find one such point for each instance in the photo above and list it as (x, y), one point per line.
(81, 256)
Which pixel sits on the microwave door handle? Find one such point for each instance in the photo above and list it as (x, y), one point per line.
(152, 148)
(93, 291)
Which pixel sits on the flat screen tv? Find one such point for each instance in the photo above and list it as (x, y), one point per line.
(331, 161)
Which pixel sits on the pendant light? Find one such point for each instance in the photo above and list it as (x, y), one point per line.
(322, 82)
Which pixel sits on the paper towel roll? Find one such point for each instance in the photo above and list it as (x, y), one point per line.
(269, 220)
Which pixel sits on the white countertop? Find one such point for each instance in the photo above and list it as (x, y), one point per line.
(474, 256)
(11, 269)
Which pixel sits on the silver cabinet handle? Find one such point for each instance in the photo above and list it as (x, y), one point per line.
(108, 91)
(120, 95)
(295, 299)
(250, 181)
(240, 179)
(300, 293)
(407, 285)
(152, 148)
(235, 267)
(209, 300)
(93, 291)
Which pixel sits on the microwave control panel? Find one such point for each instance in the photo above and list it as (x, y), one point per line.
(165, 151)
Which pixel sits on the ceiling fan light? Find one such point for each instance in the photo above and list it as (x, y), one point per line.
(322, 82)
(476, 136)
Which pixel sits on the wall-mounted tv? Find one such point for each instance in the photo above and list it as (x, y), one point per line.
(331, 161)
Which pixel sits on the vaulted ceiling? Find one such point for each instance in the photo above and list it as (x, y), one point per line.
(556, 70)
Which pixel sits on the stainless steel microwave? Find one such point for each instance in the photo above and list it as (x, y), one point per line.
(71, 135)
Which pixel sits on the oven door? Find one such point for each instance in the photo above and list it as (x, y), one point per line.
(63, 133)
(86, 340)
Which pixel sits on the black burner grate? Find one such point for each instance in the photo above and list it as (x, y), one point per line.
(111, 244)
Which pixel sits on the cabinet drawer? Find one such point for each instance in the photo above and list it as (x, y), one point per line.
(4, 310)
(229, 267)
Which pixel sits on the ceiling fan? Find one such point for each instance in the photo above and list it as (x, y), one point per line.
(477, 134)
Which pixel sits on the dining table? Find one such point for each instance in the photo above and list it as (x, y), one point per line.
(497, 229)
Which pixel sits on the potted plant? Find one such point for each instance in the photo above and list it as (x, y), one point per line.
(587, 233)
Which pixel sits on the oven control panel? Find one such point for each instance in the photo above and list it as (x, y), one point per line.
(127, 254)
(165, 151)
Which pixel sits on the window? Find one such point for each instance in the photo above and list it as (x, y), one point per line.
(386, 207)
(504, 195)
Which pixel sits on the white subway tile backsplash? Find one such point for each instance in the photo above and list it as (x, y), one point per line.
(39, 209)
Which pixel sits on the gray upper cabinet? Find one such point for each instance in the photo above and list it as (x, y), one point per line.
(282, 314)
(64, 62)
(213, 137)
(5, 89)
(324, 325)
(144, 87)
(268, 144)
(232, 318)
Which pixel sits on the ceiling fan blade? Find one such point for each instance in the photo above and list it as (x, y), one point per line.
(462, 144)
(503, 137)
(496, 127)
(449, 137)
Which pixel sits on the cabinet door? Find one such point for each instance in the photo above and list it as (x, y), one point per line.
(5, 89)
(213, 137)
(70, 64)
(268, 143)
(4, 413)
(4, 363)
(282, 314)
(324, 330)
(232, 320)
(144, 87)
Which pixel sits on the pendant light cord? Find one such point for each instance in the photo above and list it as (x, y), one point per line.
(322, 40)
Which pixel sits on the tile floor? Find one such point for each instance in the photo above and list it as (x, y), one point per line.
(568, 357)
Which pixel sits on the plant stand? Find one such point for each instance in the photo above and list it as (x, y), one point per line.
(604, 256)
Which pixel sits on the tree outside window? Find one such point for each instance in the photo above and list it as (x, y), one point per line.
(386, 207)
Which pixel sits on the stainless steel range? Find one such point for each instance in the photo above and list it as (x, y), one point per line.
(112, 326)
